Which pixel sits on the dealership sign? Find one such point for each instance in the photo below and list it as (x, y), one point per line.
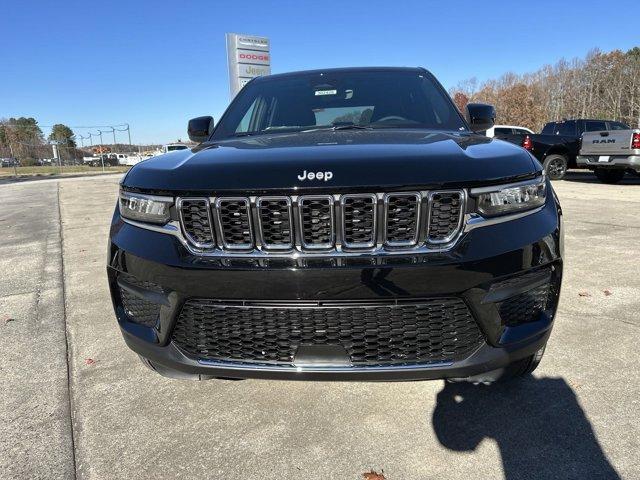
(248, 57)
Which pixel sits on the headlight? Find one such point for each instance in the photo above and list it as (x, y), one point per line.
(145, 208)
(511, 198)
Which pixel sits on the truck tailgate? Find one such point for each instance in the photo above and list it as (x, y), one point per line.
(612, 142)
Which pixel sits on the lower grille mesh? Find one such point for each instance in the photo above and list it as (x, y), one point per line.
(436, 330)
(138, 309)
(527, 306)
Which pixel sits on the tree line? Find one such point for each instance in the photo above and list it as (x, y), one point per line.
(23, 138)
(603, 85)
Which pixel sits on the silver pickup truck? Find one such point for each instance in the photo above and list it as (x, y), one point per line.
(610, 153)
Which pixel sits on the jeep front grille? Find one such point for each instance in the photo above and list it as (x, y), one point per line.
(378, 333)
(321, 223)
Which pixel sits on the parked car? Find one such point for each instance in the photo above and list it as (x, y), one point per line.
(357, 229)
(106, 159)
(503, 131)
(557, 146)
(9, 162)
(172, 147)
(611, 153)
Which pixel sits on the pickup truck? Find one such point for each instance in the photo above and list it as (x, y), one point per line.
(557, 146)
(338, 224)
(610, 153)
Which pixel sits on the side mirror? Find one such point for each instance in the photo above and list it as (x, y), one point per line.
(481, 116)
(200, 128)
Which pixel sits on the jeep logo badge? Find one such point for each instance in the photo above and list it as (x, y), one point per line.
(326, 176)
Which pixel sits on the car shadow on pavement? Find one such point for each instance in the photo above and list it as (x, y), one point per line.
(537, 423)
(585, 176)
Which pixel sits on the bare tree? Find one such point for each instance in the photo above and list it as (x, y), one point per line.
(603, 85)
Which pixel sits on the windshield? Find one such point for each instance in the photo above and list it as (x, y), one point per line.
(369, 99)
(171, 148)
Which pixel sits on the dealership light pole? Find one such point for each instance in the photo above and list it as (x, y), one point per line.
(101, 150)
(126, 129)
(83, 138)
(113, 130)
(14, 161)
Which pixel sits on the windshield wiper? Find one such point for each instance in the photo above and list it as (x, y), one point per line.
(335, 128)
(351, 126)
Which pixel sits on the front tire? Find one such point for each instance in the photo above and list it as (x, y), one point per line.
(555, 166)
(523, 367)
(609, 176)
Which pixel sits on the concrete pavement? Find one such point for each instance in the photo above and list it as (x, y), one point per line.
(577, 418)
(35, 425)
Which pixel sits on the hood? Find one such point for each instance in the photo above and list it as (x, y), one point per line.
(356, 159)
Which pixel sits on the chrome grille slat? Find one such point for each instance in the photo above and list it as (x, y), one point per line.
(359, 220)
(234, 218)
(446, 210)
(317, 226)
(195, 216)
(275, 220)
(402, 218)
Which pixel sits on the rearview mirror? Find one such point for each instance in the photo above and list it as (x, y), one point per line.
(200, 128)
(481, 116)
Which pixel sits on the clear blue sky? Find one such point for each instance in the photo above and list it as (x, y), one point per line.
(155, 64)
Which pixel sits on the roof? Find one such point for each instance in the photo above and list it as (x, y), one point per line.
(581, 119)
(343, 70)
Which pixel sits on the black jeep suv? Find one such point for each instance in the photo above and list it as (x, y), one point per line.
(343, 224)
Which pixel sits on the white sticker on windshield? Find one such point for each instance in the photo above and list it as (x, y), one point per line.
(326, 92)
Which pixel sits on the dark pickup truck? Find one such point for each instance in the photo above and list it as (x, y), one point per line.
(340, 224)
(558, 145)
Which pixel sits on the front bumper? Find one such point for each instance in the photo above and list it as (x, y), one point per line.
(631, 162)
(486, 266)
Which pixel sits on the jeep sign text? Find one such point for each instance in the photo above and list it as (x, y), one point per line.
(326, 176)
